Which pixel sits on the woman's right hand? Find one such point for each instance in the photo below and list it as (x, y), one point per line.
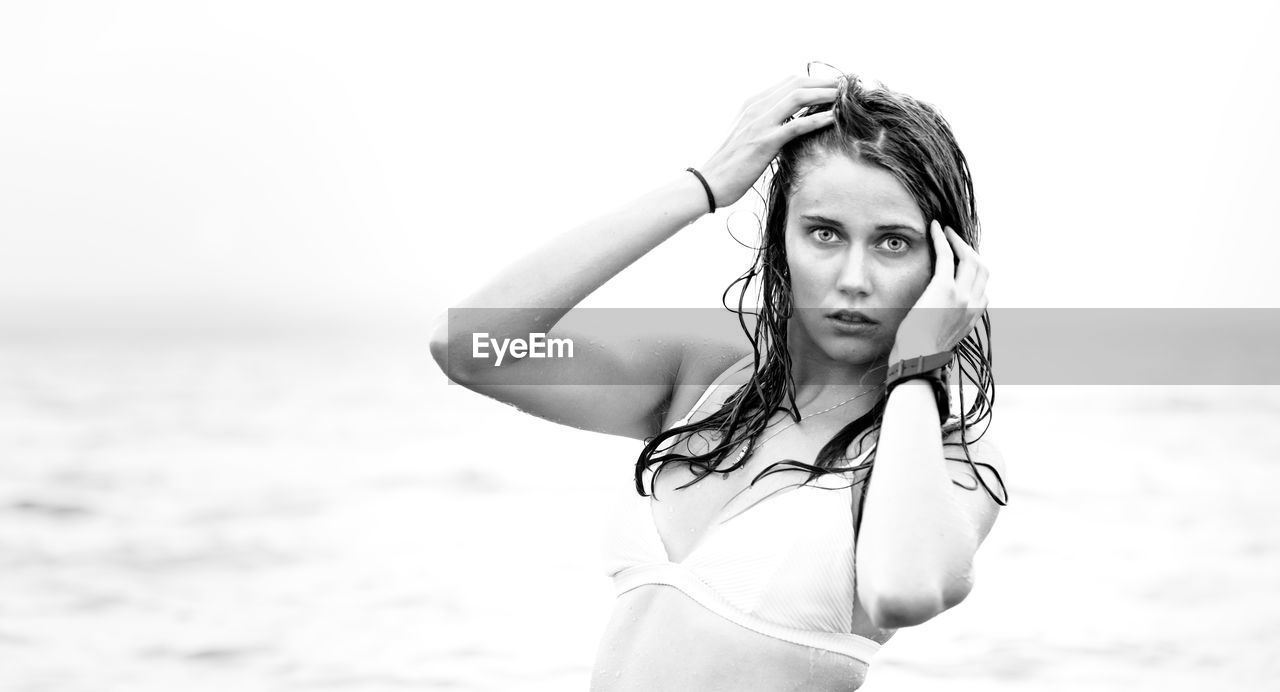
(762, 130)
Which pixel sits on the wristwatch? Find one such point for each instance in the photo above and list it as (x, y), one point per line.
(935, 368)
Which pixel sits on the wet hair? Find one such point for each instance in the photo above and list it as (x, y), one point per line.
(911, 140)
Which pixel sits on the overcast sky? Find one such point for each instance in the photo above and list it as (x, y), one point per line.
(260, 160)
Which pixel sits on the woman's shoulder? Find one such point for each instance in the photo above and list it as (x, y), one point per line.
(708, 359)
(723, 363)
(713, 341)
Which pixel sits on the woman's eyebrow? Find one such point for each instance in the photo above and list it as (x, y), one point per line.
(818, 218)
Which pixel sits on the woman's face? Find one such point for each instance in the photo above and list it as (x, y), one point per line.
(855, 240)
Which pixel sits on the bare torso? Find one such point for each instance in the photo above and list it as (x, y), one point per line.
(660, 639)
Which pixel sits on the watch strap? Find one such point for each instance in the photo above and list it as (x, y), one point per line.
(917, 364)
(936, 369)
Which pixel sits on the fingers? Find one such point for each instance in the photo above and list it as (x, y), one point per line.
(806, 124)
(979, 290)
(972, 273)
(769, 119)
(768, 99)
(965, 270)
(944, 271)
(788, 104)
(787, 107)
(971, 268)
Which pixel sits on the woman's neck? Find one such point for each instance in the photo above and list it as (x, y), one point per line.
(821, 381)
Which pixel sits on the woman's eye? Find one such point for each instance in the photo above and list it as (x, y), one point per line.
(902, 245)
(828, 237)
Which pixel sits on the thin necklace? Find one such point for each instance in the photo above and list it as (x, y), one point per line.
(746, 445)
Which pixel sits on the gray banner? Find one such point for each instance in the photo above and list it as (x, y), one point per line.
(1029, 346)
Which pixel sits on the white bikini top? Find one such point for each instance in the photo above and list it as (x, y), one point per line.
(782, 567)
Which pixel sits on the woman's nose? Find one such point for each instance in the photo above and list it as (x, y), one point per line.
(855, 274)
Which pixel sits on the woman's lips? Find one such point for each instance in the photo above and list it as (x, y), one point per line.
(851, 327)
(851, 315)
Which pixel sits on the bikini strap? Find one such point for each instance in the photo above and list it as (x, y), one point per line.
(715, 383)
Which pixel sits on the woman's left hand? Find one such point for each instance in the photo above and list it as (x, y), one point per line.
(951, 305)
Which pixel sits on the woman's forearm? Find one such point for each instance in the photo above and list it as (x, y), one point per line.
(915, 544)
(535, 292)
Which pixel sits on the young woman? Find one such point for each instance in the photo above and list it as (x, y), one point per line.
(826, 422)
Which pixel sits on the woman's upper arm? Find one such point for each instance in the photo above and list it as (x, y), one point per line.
(614, 380)
(974, 493)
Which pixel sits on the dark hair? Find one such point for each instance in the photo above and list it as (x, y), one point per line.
(912, 141)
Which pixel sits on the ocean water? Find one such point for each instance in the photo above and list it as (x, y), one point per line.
(329, 514)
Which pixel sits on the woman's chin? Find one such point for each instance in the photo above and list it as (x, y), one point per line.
(865, 354)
